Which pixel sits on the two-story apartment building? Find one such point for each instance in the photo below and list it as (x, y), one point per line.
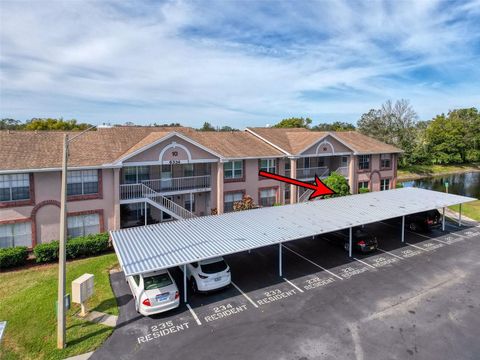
(129, 176)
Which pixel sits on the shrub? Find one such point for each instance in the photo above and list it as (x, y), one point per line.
(337, 183)
(363, 190)
(88, 245)
(14, 256)
(82, 246)
(46, 252)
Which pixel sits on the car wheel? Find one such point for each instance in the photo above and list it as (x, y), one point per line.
(193, 284)
(413, 226)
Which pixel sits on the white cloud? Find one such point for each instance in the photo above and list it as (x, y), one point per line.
(232, 63)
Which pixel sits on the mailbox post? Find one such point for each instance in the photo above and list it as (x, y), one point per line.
(82, 290)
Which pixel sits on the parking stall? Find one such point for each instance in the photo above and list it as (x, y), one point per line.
(177, 243)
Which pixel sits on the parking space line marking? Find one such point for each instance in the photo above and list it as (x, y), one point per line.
(194, 315)
(415, 246)
(364, 263)
(246, 296)
(390, 253)
(311, 262)
(416, 233)
(295, 286)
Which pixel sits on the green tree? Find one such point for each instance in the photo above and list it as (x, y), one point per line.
(294, 123)
(227, 128)
(167, 125)
(10, 124)
(207, 127)
(337, 183)
(447, 138)
(335, 126)
(54, 124)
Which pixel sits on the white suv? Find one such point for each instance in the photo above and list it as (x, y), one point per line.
(154, 292)
(208, 275)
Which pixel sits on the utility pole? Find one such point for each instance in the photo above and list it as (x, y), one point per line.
(61, 316)
(62, 251)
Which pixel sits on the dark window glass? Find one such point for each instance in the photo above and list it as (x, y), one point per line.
(214, 268)
(157, 281)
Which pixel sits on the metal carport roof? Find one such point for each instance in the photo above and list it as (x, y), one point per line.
(153, 247)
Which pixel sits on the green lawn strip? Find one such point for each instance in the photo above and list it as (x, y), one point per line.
(470, 209)
(28, 298)
(414, 171)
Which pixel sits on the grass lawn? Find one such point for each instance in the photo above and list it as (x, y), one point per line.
(418, 171)
(27, 298)
(471, 209)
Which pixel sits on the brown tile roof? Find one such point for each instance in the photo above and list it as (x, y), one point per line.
(365, 144)
(234, 144)
(43, 149)
(295, 140)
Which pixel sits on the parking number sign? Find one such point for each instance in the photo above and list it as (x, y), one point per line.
(3, 324)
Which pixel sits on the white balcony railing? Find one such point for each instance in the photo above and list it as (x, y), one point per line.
(141, 191)
(134, 191)
(307, 173)
(343, 170)
(178, 184)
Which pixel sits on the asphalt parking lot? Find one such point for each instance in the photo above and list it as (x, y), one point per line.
(417, 300)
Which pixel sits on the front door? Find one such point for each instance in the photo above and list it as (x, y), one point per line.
(166, 183)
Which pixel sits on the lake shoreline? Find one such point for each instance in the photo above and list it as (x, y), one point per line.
(414, 176)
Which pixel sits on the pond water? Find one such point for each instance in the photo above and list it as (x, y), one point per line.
(467, 184)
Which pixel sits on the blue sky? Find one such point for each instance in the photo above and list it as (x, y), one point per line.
(245, 63)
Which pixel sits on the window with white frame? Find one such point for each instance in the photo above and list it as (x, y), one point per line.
(14, 187)
(19, 234)
(364, 162)
(363, 185)
(385, 161)
(230, 198)
(268, 165)
(233, 169)
(384, 184)
(268, 197)
(82, 182)
(81, 225)
(135, 174)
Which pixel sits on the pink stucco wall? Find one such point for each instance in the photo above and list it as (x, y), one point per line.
(325, 147)
(153, 153)
(47, 190)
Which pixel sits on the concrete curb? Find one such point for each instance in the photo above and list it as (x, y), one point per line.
(81, 356)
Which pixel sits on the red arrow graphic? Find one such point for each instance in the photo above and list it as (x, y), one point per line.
(319, 187)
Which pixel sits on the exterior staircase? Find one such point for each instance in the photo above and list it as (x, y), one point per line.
(305, 195)
(164, 204)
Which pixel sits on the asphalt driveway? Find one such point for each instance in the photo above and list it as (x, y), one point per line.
(417, 300)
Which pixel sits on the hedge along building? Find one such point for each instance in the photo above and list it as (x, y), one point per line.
(128, 176)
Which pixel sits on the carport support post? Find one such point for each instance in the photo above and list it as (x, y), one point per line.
(403, 228)
(145, 213)
(460, 215)
(350, 242)
(280, 259)
(185, 283)
(443, 219)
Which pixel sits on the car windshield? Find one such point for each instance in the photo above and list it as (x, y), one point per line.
(359, 234)
(432, 214)
(157, 281)
(214, 267)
